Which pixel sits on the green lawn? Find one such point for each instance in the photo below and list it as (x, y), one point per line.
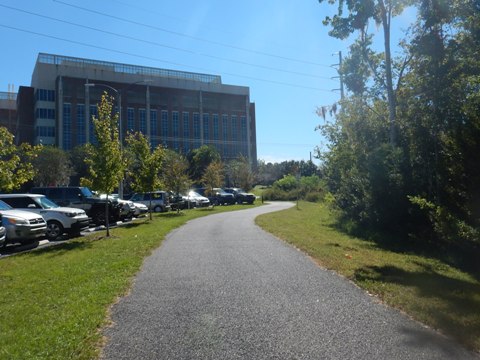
(54, 301)
(426, 288)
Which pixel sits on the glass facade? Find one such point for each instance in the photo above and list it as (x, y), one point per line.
(130, 119)
(142, 114)
(81, 136)
(67, 126)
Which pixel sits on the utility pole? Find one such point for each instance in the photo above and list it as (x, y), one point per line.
(340, 76)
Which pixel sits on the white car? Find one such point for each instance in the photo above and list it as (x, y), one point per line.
(194, 199)
(59, 220)
(21, 226)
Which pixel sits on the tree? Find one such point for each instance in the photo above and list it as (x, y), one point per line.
(240, 173)
(199, 159)
(175, 174)
(77, 158)
(359, 14)
(144, 165)
(53, 167)
(213, 176)
(105, 160)
(16, 166)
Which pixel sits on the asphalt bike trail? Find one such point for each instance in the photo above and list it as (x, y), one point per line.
(220, 287)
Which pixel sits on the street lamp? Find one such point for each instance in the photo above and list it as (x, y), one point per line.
(119, 105)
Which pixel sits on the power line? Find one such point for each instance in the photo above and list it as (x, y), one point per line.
(190, 36)
(156, 59)
(163, 45)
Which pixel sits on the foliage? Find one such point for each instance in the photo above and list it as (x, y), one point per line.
(175, 172)
(16, 166)
(53, 167)
(104, 160)
(144, 164)
(425, 185)
(213, 176)
(77, 159)
(239, 174)
(268, 173)
(199, 159)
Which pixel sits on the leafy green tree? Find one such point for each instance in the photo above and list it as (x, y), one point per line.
(175, 172)
(105, 160)
(199, 159)
(16, 166)
(240, 173)
(53, 167)
(144, 164)
(358, 15)
(213, 176)
(77, 158)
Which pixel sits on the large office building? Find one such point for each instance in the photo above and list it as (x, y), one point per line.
(180, 110)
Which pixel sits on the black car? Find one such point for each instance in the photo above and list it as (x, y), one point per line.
(217, 196)
(241, 196)
(82, 198)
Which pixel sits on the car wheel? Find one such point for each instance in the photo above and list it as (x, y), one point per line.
(157, 209)
(99, 217)
(54, 230)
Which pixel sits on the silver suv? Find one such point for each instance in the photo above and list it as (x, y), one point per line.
(60, 220)
(156, 200)
(21, 226)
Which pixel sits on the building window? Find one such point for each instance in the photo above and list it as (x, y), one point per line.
(234, 128)
(130, 119)
(164, 126)
(45, 95)
(196, 129)
(153, 123)
(243, 127)
(142, 121)
(206, 128)
(45, 131)
(41, 113)
(67, 126)
(215, 127)
(93, 113)
(175, 125)
(81, 136)
(186, 125)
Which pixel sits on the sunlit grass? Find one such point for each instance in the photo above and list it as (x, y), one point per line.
(54, 301)
(428, 289)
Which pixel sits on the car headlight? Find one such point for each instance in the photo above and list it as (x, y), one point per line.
(17, 221)
(69, 214)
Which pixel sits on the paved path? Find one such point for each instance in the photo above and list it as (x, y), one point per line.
(221, 288)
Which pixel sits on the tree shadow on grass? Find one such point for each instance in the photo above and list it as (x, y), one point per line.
(451, 304)
(462, 256)
(60, 248)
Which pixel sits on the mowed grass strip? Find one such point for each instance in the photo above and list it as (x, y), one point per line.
(427, 289)
(54, 301)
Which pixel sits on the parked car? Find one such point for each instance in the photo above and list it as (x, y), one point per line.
(3, 231)
(21, 226)
(140, 209)
(241, 196)
(217, 196)
(127, 207)
(194, 199)
(82, 198)
(59, 220)
(156, 201)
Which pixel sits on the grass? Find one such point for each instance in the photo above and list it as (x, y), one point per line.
(54, 301)
(428, 289)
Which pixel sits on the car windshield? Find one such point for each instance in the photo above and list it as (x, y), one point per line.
(193, 194)
(86, 192)
(222, 192)
(46, 203)
(4, 206)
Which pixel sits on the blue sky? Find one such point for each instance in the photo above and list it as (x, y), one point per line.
(278, 48)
